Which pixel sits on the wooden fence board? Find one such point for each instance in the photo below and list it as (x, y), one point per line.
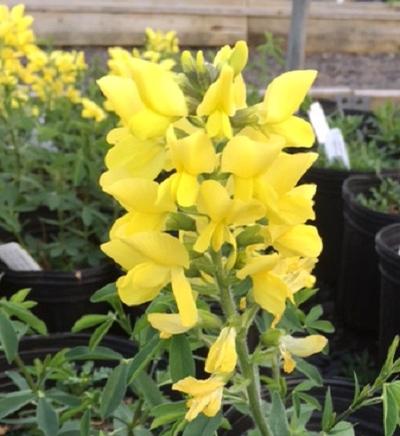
(351, 27)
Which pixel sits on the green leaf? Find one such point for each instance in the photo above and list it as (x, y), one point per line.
(88, 321)
(167, 413)
(100, 332)
(98, 353)
(143, 357)
(145, 385)
(202, 426)
(24, 315)
(181, 362)
(14, 401)
(106, 293)
(8, 338)
(114, 390)
(308, 370)
(391, 406)
(277, 418)
(342, 428)
(47, 417)
(20, 296)
(328, 415)
(85, 424)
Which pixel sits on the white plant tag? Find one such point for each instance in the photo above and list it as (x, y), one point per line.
(17, 258)
(335, 147)
(319, 122)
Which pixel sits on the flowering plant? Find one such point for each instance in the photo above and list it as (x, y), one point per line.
(216, 236)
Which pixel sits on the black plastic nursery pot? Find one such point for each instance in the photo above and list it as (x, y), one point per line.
(359, 281)
(38, 347)
(387, 246)
(62, 297)
(368, 421)
(329, 219)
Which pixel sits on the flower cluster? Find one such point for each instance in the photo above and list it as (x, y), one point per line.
(28, 72)
(210, 189)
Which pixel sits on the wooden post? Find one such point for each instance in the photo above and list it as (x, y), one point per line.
(297, 35)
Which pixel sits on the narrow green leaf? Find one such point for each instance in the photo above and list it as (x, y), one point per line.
(328, 414)
(85, 423)
(202, 426)
(24, 315)
(143, 357)
(14, 401)
(146, 386)
(277, 418)
(99, 333)
(308, 370)
(391, 406)
(88, 321)
(168, 413)
(20, 296)
(8, 338)
(114, 390)
(47, 417)
(342, 428)
(181, 362)
(98, 353)
(106, 293)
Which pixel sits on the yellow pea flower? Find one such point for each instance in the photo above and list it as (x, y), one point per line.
(191, 156)
(247, 160)
(302, 347)
(132, 157)
(276, 279)
(148, 101)
(236, 57)
(168, 324)
(221, 101)
(206, 395)
(297, 240)
(148, 204)
(285, 202)
(281, 100)
(215, 202)
(222, 357)
(153, 259)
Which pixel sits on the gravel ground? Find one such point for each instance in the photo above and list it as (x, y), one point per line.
(379, 71)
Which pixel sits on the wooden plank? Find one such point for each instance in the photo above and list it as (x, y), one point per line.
(98, 29)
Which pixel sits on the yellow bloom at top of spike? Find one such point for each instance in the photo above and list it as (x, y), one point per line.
(222, 356)
(282, 99)
(221, 100)
(236, 57)
(302, 347)
(92, 110)
(215, 202)
(206, 395)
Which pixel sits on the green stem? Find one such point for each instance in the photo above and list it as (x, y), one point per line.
(25, 372)
(249, 370)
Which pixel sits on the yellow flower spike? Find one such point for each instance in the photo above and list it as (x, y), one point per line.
(222, 356)
(206, 395)
(302, 347)
(132, 157)
(246, 160)
(219, 104)
(190, 156)
(215, 202)
(168, 324)
(298, 240)
(164, 261)
(282, 99)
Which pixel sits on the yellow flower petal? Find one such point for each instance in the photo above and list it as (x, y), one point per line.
(122, 254)
(285, 94)
(296, 131)
(184, 297)
(222, 356)
(304, 347)
(167, 323)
